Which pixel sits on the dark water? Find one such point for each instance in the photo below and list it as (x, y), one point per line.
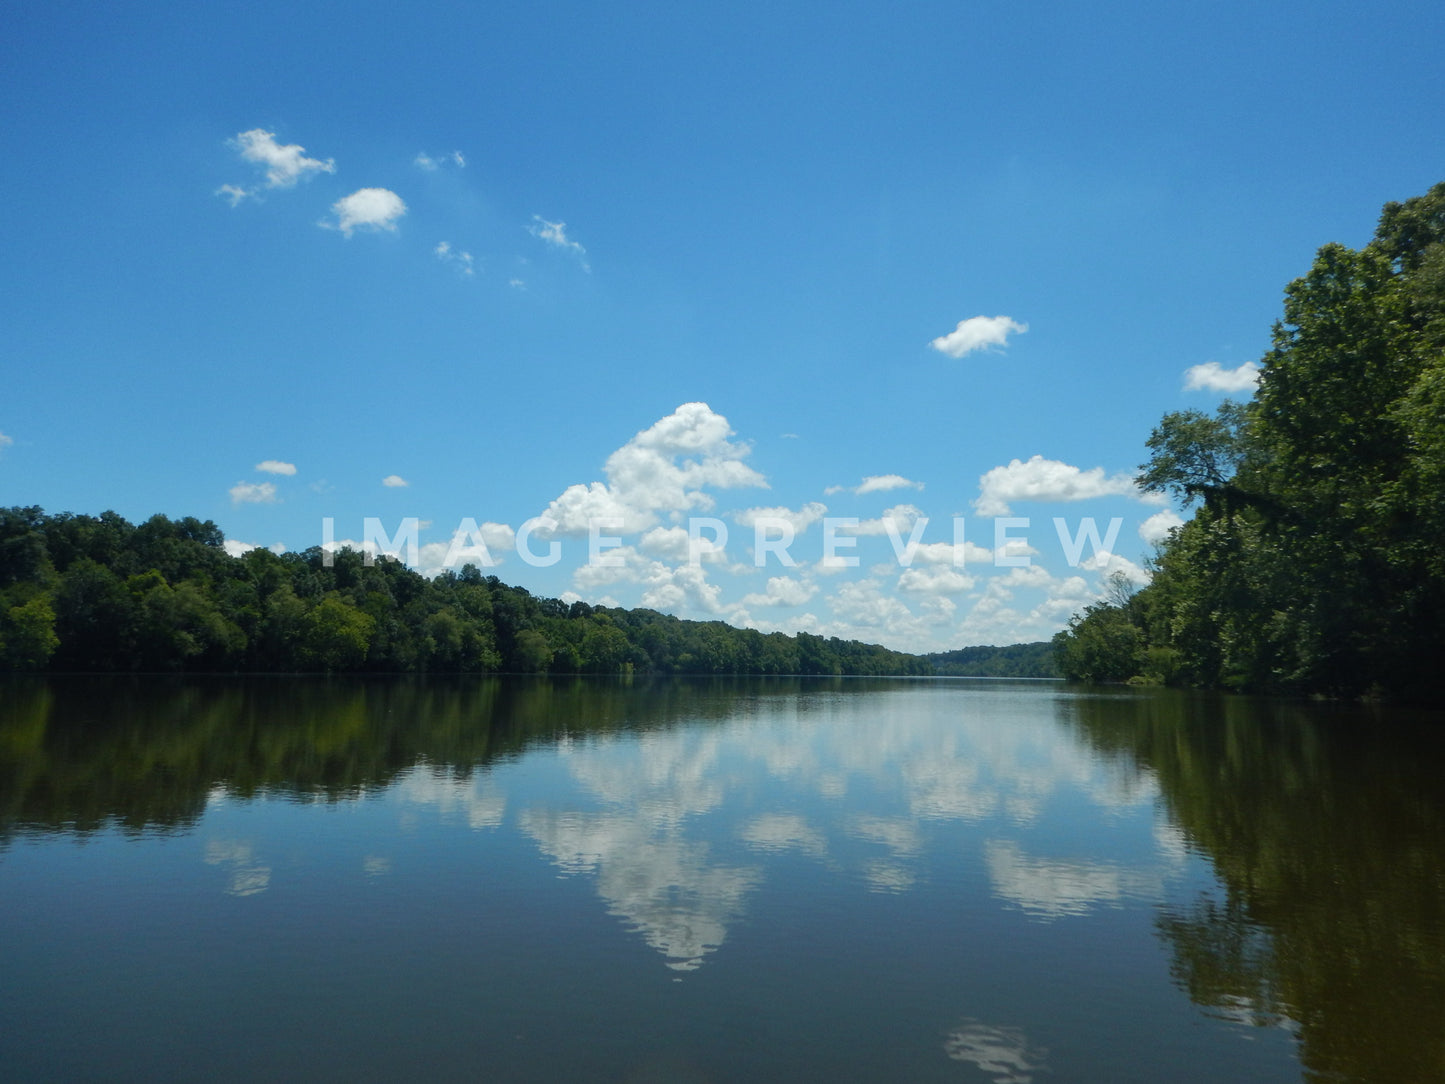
(288, 879)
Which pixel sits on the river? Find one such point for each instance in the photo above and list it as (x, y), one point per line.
(508, 879)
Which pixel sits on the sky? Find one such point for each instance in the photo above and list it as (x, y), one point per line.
(787, 315)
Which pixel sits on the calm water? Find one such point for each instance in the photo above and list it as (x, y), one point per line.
(290, 879)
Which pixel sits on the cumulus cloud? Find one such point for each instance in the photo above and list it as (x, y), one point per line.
(677, 544)
(395, 481)
(469, 544)
(898, 520)
(662, 471)
(1042, 479)
(366, 208)
(234, 193)
(875, 484)
(253, 493)
(978, 333)
(950, 553)
(1156, 528)
(462, 261)
(555, 234)
(275, 466)
(285, 164)
(665, 587)
(799, 520)
(783, 591)
(862, 603)
(939, 580)
(1211, 376)
(1107, 564)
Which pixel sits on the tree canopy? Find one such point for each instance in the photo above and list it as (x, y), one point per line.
(1313, 562)
(97, 593)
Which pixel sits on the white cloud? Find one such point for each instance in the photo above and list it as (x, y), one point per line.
(555, 234)
(677, 545)
(880, 482)
(395, 481)
(1156, 528)
(875, 484)
(428, 164)
(366, 208)
(978, 333)
(783, 591)
(1211, 376)
(662, 470)
(234, 193)
(461, 260)
(1108, 563)
(940, 580)
(800, 520)
(947, 553)
(5, 441)
(469, 545)
(275, 466)
(902, 516)
(863, 603)
(238, 549)
(253, 493)
(284, 164)
(1043, 479)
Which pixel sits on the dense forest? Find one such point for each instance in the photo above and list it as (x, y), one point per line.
(1017, 660)
(1313, 562)
(97, 593)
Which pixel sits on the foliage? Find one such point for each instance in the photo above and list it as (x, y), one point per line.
(1313, 562)
(96, 593)
(1017, 660)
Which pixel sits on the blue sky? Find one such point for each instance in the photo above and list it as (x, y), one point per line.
(262, 259)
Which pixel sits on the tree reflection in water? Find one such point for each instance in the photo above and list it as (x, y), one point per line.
(1326, 826)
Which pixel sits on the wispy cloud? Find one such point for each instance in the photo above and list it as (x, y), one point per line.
(275, 466)
(876, 483)
(555, 234)
(1211, 376)
(394, 481)
(366, 208)
(978, 333)
(462, 261)
(428, 164)
(5, 441)
(253, 493)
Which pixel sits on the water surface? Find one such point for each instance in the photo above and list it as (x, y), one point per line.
(496, 879)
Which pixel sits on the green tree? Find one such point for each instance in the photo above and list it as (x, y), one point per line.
(27, 634)
(335, 635)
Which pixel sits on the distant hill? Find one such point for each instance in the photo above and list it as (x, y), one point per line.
(1017, 660)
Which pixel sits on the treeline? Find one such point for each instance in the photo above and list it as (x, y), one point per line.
(1016, 660)
(1314, 562)
(97, 593)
